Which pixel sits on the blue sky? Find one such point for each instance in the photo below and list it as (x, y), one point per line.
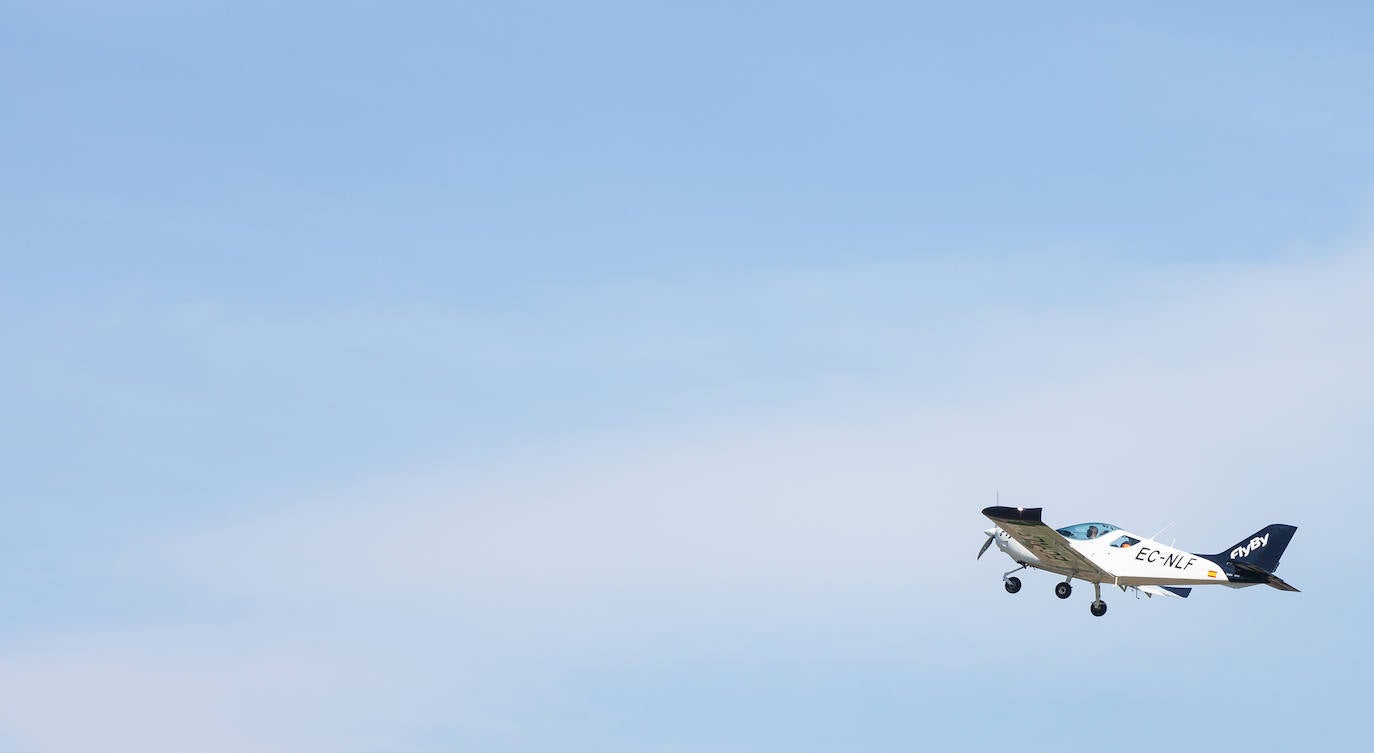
(622, 377)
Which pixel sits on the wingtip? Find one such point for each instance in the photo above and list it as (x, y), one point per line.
(1013, 514)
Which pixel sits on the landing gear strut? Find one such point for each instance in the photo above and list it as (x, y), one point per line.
(1063, 590)
(1099, 607)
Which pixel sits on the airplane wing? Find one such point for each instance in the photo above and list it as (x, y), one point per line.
(1024, 525)
(1174, 591)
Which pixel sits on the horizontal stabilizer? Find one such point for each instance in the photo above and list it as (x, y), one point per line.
(1264, 575)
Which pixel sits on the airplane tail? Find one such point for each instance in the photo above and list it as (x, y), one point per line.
(1257, 556)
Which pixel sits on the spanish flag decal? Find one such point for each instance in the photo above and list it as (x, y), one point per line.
(1211, 573)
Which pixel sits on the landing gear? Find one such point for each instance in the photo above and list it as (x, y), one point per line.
(1012, 584)
(1063, 590)
(1099, 607)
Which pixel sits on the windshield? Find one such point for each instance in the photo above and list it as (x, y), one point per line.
(1085, 531)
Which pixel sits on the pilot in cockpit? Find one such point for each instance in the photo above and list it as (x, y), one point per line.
(1092, 532)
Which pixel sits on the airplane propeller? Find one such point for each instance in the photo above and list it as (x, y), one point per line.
(986, 544)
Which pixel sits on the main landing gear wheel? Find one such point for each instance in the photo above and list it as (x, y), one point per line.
(1012, 584)
(1098, 608)
(1063, 590)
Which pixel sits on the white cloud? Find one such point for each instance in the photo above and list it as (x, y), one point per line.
(842, 521)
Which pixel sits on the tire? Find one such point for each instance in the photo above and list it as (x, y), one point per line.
(1063, 590)
(1098, 608)
(1012, 584)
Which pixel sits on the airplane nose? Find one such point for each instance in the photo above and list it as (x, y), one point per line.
(990, 532)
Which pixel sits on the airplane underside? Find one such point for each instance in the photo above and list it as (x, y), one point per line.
(1150, 587)
(1134, 581)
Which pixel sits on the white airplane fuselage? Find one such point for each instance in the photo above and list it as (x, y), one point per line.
(1145, 563)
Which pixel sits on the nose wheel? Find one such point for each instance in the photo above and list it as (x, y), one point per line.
(1063, 590)
(1012, 584)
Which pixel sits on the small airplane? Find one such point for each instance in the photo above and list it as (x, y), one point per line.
(1103, 553)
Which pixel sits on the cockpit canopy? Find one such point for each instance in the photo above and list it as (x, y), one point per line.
(1085, 531)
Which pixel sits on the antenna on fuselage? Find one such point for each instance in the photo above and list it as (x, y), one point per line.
(1162, 530)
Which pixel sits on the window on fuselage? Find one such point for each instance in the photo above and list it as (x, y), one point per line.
(1086, 531)
(1125, 541)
